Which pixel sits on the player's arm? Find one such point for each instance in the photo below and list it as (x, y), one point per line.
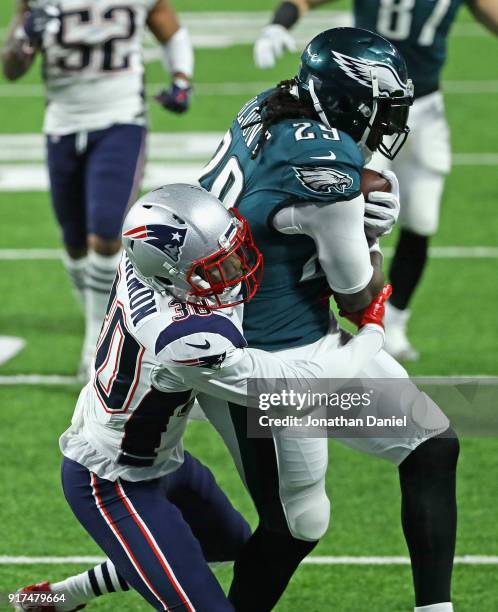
(274, 38)
(353, 272)
(486, 12)
(241, 376)
(17, 54)
(177, 55)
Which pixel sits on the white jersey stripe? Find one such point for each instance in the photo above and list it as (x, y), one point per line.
(155, 547)
(122, 541)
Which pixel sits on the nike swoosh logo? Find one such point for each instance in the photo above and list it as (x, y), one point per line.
(331, 156)
(204, 346)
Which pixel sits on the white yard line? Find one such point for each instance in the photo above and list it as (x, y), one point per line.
(54, 379)
(27, 254)
(312, 560)
(34, 177)
(22, 158)
(235, 88)
(216, 29)
(443, 252)
(39, 379)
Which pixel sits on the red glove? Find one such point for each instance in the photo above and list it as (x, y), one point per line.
(373, 313)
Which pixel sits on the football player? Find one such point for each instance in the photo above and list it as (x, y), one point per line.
(170, 332)
(419, 29)
(291, 163)
(95, 122)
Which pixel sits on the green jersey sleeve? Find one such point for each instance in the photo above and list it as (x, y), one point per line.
(323, 165)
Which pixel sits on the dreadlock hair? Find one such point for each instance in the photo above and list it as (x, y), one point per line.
(279, 105)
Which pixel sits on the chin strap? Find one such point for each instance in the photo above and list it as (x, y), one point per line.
(316, 104)
(375, 95)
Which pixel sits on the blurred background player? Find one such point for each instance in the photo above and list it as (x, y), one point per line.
(419, 29)
(95, 122)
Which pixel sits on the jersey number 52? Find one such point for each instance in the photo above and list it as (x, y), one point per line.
(78, 24)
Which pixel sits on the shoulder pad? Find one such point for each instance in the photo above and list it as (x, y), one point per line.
(302, 138)
(321, 164)
(202, 341)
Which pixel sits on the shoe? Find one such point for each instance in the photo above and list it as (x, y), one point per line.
(397, 343)
(41, 588)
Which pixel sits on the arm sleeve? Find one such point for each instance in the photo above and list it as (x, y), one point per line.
(338, 232)
(250, 371)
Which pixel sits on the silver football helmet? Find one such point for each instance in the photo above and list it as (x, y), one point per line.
(183, 241)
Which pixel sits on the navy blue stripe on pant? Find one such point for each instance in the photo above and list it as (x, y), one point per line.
(147, 537)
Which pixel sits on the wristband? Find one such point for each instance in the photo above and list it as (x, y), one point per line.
(286, 15)
(178, 55)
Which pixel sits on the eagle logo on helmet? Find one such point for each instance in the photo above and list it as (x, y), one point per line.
(321, 179)
(361, 70)
(165, 238)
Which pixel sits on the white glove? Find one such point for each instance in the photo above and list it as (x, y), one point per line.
(272, 42)
(382, 208)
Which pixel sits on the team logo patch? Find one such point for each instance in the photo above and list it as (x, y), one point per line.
(321, 179)
(165, 238)
(361, 71)
(212, 361)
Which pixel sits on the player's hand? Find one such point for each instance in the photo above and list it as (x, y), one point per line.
(373, 313)
(40, 21)
(177, 98)
(382, 208)
(272, 42)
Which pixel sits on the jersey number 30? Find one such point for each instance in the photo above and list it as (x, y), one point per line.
(229, 182)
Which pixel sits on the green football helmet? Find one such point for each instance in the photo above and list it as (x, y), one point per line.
(357, 82)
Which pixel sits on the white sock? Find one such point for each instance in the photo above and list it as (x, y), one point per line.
(100, 274)
(82, 588)
(447, 606)
(76, 269)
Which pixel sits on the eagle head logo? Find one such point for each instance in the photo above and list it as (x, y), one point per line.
(321, 179)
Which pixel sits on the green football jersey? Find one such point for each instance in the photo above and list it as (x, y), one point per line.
(301, 161)
(418, 28)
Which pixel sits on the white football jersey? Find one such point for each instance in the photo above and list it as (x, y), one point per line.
(124, 425)
(156, 353)
(93, 66)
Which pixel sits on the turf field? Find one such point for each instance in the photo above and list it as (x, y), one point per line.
(454, 326)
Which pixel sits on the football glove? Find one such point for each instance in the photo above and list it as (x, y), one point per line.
(177, 98)
(382, 208)
(272, 42)
(373, 313)
(40, 21)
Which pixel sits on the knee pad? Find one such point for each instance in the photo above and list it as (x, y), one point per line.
(307, 512)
